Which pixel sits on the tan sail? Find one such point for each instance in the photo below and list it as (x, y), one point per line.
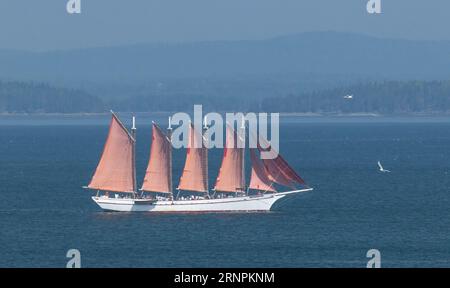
(231, 176)
(260, 178)
(279, 170)
(158, 175)
(195, 172)
(115, 171)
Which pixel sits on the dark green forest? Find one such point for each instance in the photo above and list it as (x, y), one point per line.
(388, 97)
(20, 97)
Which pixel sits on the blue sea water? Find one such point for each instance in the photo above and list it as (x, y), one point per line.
(354, 208)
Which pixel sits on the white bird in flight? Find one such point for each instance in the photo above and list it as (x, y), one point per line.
(381, 168)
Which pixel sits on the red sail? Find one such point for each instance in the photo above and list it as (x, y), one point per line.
(115, 171)
(158, 174)
(279, 170)
(195, 172)
(260, 178)
(231, 176)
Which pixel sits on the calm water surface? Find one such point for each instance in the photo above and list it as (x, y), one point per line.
(405, 214)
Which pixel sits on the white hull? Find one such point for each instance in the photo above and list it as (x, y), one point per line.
(232, 204)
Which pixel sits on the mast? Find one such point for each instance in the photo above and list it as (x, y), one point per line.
(243, 151)
(169, 136)
(205, 151)
(133, 133)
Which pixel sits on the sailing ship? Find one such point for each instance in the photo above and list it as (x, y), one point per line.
(115, 176)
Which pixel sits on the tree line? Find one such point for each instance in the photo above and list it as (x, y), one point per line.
(388, 97)
(21, 97)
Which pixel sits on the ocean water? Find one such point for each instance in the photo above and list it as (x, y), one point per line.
(354, 208)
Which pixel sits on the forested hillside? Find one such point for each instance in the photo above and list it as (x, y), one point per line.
(20, 97)
(388, 97)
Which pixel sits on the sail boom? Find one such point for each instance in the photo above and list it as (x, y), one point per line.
(229, 191)
(110, 190)
(263, 190)
(152, 191)
(197, 191)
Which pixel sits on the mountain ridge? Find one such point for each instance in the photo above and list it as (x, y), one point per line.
(310, 52)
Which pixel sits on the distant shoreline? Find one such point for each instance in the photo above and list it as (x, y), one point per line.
(289, 114)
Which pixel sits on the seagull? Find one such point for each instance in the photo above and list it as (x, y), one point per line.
(382, 169)
(348, 97)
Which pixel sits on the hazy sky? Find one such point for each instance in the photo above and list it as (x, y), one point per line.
(45, 24)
